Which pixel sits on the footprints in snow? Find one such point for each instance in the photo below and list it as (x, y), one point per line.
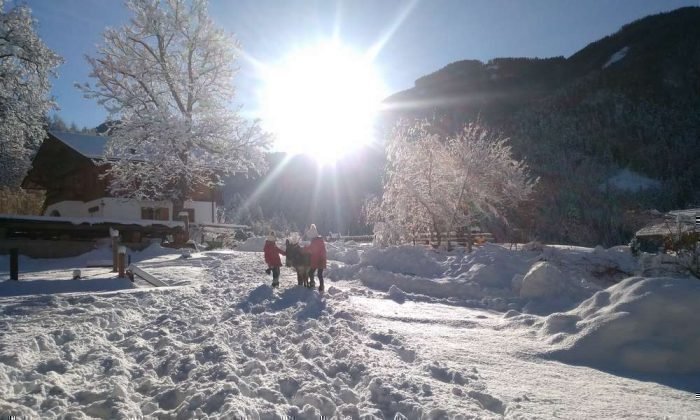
(387, 340)
(452, 376)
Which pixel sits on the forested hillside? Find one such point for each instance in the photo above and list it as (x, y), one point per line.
(612, 128)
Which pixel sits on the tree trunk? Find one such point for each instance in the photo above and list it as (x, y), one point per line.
(178, 206)
(183, 190)
(438, 234)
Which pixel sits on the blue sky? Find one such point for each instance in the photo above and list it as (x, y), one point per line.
(433, 34)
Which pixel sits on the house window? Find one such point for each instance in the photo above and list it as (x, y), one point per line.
(94, 209)
(162, 213)
(155, 213)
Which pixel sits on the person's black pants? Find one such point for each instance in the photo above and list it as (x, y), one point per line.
(320, 277)
(275, 275)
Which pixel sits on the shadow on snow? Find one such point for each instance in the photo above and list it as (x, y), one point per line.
(310, 304)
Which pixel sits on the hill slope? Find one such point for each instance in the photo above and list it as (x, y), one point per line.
(626, 102)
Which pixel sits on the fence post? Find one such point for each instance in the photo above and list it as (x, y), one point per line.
(122, 262)
(14, 263)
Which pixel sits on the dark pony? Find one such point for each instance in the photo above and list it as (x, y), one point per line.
(300, 261)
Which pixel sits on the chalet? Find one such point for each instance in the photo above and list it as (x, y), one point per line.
(66, 167)
(679, 228)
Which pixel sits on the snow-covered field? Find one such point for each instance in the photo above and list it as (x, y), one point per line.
(546, 332)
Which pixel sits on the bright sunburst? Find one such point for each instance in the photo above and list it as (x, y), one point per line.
(322, 101)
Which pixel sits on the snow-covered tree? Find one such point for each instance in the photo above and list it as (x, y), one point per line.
(25, 67)
(167, 77)
(436, 182)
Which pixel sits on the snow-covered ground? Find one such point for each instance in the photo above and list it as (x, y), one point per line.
(546, 332)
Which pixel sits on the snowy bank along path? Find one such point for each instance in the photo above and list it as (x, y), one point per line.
(399, 333)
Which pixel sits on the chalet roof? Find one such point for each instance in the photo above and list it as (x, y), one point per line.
(677, 221)
(665, 229)
(93, 147)
(687, 215)
(90, 146)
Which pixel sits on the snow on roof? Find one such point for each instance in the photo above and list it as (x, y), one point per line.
(687, 214)
(678, 221)
(666, 229)
(616, 57)
(90, 146)
(222, 226)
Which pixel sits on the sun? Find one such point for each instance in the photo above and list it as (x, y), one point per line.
(322, 101)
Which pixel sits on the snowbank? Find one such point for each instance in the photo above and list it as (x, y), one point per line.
(346, 252)
(641, 324)
(539, 280)
(406, 259)
(414, 270)
(543, 280)
(616, 262)
(437, 288)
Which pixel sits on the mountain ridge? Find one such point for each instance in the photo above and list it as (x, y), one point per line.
(625, 101)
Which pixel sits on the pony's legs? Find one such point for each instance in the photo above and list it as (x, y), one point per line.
(300, 279)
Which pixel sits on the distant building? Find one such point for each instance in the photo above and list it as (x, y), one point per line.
(678, 228)
(66, 167)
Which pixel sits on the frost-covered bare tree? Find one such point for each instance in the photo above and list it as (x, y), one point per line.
(25, 67)
(167, 77)
(436, 182)
(416, 181)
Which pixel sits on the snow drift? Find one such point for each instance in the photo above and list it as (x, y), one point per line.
(543, 280)
(647, 325)
(347, 252)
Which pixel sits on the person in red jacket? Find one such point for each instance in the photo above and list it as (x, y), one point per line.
(272, 258)
(317, 249)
